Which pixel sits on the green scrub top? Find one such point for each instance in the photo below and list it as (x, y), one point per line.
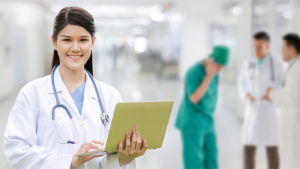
(198, 115)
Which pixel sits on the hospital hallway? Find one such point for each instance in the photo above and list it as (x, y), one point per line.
(144, 48)
(146, 87)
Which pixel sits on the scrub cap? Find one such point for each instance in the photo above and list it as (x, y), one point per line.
(220, 54)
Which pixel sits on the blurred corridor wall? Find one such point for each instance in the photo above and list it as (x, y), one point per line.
(198, 37)
(21, 46)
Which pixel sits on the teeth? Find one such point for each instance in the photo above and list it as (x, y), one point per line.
(75, 57)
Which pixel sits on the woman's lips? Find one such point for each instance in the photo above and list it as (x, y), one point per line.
(75, 57)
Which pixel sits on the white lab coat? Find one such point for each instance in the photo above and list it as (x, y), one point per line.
(29, 142)
(260, 127)
(289, 99)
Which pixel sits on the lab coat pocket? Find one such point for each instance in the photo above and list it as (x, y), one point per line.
(63, 126)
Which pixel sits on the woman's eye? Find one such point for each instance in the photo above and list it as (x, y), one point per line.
(67, 40)
(83, 40)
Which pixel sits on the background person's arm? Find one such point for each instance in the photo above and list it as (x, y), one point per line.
(211, 70)
(243, 84)
(277, 84)
(196, 97)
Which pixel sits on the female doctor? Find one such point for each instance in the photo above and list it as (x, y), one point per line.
(68, 112)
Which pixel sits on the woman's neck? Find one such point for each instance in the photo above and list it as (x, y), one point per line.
(72, 78)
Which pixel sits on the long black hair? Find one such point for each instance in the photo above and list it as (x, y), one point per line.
(74, 16)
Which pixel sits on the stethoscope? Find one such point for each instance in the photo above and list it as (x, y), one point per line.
(252, 66)
(104, 116)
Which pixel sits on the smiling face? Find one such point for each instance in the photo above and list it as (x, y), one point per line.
(74, 46)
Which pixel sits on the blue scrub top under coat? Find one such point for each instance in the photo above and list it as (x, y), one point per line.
(78, 96)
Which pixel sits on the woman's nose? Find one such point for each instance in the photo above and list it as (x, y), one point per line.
(75, 47)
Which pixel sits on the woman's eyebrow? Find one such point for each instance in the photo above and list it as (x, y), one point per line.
(67, 36)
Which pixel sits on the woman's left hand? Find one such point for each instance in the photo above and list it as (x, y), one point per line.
(131, 147)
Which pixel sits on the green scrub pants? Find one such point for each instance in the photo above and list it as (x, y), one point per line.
(199, 149)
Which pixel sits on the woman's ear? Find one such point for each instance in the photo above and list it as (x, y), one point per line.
(53, 42)
(93, 40)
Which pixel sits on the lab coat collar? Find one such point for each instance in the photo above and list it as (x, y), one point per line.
(292, 62)
(57, 81)
(64, 94)
(266, 61)
(60, 86)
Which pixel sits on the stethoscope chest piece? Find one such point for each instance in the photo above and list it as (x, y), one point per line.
(105, 119)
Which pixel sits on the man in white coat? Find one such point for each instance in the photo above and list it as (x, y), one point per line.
(289, 99)
(260, 128)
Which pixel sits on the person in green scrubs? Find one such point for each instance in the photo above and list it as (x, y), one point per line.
(195, 117)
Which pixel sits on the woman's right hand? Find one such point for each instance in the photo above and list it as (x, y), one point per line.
(85, 147)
